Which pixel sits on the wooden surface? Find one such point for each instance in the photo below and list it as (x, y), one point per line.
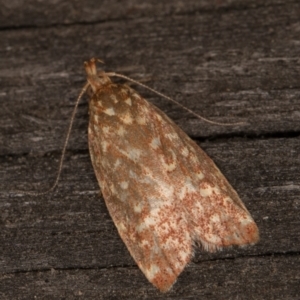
(229, 60)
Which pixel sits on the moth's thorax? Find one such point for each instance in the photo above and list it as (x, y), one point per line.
(115, 101)
(98, 81)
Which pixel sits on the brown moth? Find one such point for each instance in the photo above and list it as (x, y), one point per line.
(162, 191)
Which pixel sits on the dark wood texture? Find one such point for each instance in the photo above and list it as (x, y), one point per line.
(229, 61)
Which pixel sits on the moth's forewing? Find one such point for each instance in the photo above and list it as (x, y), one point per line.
(163, 192)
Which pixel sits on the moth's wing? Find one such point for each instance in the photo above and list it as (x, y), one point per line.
(216, 215)
(125, 153)
(162, 191)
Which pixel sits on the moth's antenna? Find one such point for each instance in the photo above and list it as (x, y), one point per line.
(73, 117)
(172, 100)
(63, 151)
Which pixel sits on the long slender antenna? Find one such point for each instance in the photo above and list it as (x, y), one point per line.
(73, 117)
(172, 100)
(62, 153)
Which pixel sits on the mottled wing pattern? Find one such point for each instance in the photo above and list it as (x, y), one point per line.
(163, 192)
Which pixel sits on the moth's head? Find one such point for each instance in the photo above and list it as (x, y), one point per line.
(96, 79)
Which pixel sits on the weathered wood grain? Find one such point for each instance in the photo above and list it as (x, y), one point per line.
(258, 278)
(230, 61)
(35, 13)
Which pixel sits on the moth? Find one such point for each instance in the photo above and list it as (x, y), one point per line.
(164, 194)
